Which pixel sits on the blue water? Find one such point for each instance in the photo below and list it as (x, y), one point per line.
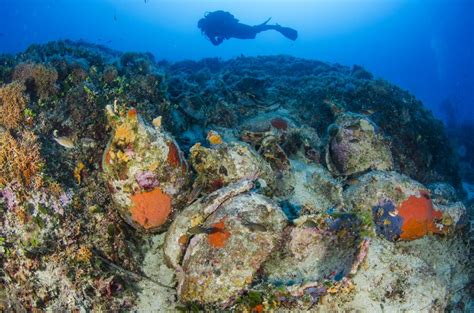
(425, 46)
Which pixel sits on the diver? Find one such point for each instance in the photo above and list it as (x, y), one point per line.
(220, 25)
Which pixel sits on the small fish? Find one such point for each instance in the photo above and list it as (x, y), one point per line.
(310, 224)
(66, 142)
(115, 17)
(203, 230)
(351, 181)
(254, 226)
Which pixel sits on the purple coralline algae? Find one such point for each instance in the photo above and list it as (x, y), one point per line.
(147, 180)
(58, 203)
(9, 197)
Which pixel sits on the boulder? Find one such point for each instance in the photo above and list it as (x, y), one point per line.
(356, 145)
(226, 163)
(222, 261)
(145, 170)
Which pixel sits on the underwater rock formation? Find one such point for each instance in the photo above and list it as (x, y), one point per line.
(318, 248)
(219, 265)
(218, 242)
(226, 163)
(355, 145)
(145, 169)
(311, 186)
(401, 207)
(177, 237)
(218, 92)
(442, 192)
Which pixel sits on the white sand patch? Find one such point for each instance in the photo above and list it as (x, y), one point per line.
(152, 297)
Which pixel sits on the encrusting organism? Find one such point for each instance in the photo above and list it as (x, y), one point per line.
(13, 102)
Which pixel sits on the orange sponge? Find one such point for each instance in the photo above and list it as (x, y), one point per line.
(218, 238)
(151, 209)
(418, 217)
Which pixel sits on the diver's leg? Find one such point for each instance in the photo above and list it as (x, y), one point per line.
(264, 27)
(289, 33)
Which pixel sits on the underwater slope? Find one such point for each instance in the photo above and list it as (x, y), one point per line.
(314, 92)
(129, 183)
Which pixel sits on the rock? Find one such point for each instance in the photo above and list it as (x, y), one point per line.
(414, 276)
(222, 263)
(313, 188)
(177, 237)
(370, 188)
(401, 208)
(317, 248)
(58, 221)
(227, 163)
(277, 138)
(442, 192)
(454, 212)
(356, 145)
(454, 215)
(146, 171)
(273, 153)
(264, 122)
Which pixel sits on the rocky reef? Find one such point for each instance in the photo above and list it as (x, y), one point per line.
(251, 185)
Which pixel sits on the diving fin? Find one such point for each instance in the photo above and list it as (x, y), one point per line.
(288, 32)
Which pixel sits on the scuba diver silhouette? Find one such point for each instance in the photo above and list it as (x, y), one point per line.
(220, 25)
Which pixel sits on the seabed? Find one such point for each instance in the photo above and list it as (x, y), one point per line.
(253, 184)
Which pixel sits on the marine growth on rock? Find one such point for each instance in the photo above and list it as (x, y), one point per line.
(145, 169)
(253, 184)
